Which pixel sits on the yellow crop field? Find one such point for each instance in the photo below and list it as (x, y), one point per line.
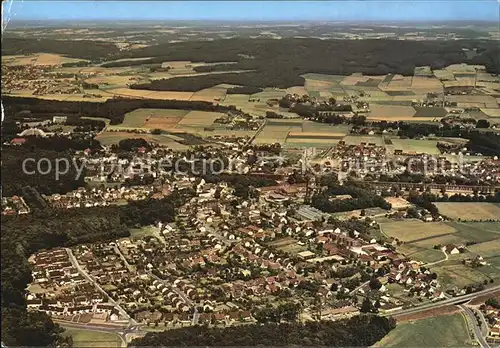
(300, 90)
(199, 119)
(38, 59)
(139, 93)
(213, 94)
(391, 112)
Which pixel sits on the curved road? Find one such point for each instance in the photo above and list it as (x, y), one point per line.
(477, 329)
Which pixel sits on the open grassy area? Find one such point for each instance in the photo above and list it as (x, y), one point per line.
(152, 118)
(142, 232)
(412, 230)
(487, 249)
(198, 119)
(38, 59)
(171, 141)
(454, 274)
(288, 245)
(479, 232)
(91, 339)
(469, 211)
(442, 331)
(418, 146)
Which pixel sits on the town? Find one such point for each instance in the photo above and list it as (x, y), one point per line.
(314, 184)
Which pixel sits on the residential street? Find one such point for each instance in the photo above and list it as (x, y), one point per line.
(75, 263)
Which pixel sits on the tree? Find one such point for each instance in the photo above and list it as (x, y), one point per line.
(482, 124)
(366, 306)
(375, 284)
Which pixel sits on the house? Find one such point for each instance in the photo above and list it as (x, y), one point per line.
(340, 313)
(34, 303)
(18, 141)
(451, 249)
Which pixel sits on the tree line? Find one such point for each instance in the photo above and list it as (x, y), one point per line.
(358, 331)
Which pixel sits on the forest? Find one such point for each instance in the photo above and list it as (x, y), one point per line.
(273, 63)
(361, 197)
(14, 177)
(279, 63)
(85, 49)
(342, 333)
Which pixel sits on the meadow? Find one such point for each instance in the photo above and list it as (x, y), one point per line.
(413, 230)
(465, 211)
(92, 339)
(152, 118)
(439, 331)
(421, 237)
(417, 146)
(39, 59)
(168, 140)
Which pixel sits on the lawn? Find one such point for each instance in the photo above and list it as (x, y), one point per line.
(428, 256)
(469, 211)
(442, 331)
(413, 230)
(90, 339)
(142, 232)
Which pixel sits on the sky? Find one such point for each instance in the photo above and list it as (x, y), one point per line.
(339, 10)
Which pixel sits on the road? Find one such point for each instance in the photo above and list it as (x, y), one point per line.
(219, 236)
(182, 295)
(359, 287)
(119, 252)
(439, 261)
(84, 273)
(447, 302)
(477, 329)
(157, 234)
(257, 132)
(120, 331)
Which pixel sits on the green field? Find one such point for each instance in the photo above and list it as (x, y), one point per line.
(442, 331)
(479, 232)
(453, 273)
(152, 118)
(91, 339)
(356, 140)
(418, 146)
(486, 249)
(415, 230)
(170, 141)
